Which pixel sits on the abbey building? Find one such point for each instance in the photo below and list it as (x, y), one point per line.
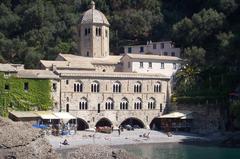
(103, 89)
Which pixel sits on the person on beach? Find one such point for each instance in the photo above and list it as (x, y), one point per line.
(65, 142)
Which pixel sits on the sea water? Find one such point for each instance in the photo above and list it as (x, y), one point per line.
(182, 151)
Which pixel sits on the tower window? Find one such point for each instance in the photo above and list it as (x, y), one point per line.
(86, 31)
(165, 53)
(89, 30)
(87, 53)
(99, 31)
(106, 33)
(141, 49)
(96, 31)
(173, 53)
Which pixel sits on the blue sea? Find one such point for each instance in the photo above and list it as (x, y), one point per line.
(182, 151)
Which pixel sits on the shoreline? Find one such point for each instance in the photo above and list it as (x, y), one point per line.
(126, 138)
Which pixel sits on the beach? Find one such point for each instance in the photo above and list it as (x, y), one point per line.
(125, 138)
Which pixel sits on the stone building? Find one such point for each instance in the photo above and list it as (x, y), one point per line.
(103, 89)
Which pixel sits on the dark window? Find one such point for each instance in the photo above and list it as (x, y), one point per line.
(150, 64)
(129, 64)
(96, 31)
(95, 87)
(137, 87)
(162, 45)
(129, 50)
(66, 82)
(154, 46)
(99, 31)
(157, 87)
(26, 86)
(87, 53)
(99, 109)
(141, 49)
(106, 33)
(86, 32)
(89, 30)
(173, 54)
(162, 65)
(67, 107)
(78, 87)
(165, 53)
(7, 87)
(161, 109)
(54, 87)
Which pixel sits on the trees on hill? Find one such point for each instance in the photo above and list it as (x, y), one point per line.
(206, 31)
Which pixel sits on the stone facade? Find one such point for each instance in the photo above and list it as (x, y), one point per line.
(146, 90)
(96, 101)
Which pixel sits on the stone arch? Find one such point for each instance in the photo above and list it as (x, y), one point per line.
(82, 124)
(104, 122)
(155, 124)
(133, 121)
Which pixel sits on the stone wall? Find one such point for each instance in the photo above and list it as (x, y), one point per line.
(207, 118)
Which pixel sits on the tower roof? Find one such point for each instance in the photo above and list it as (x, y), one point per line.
(93, 15)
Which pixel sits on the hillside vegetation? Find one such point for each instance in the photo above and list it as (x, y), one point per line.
(207, 31)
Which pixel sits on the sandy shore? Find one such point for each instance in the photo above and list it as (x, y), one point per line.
(125, 138)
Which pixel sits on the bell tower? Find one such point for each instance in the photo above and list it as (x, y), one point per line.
(93, 33)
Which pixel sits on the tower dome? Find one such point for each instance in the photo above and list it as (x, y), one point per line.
(93, 16)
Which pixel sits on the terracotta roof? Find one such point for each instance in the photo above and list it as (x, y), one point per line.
(7, 68)
(39, 74)
(152, 57)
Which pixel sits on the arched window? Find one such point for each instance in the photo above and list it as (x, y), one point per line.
(109, 104)
(157, 87)
(95, 87)
(138, 87)
(138, 103)
(151, 103)
(78, 87)
(83, 104)
(117, 87)
(124, 104)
